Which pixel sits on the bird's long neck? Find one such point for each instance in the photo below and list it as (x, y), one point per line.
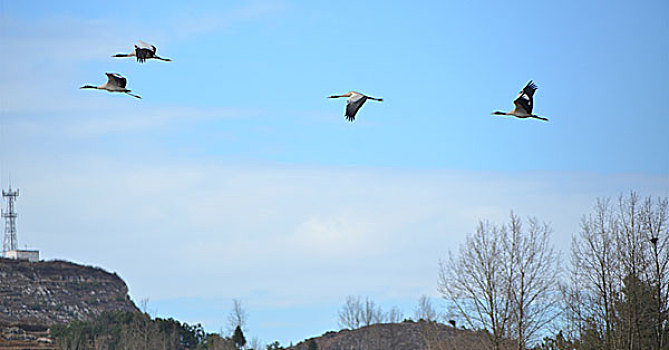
(125, 54)
(337, 96)
(89, 87)
(500, 113)
(375, 99)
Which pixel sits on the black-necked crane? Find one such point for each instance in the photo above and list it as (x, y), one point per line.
(143, 52)
(115, 83)
(354, 102)
(524, 103)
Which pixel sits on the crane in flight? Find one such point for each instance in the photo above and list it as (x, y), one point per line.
(143, 52)
(115, 83)
(354, 102)
(524, 104)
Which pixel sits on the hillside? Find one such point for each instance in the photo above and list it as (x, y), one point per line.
(35, 296)
(399, 336)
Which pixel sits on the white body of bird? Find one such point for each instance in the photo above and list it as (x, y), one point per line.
(354, 103)
(115, 83)
(524, 103)
(143, 52)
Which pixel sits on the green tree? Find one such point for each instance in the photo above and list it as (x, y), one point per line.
(618, 293)
(134, 330)
(558, 342)
(636, 320)
(275, 346)
(238, 338)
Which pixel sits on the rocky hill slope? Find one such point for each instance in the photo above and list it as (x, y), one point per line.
(407, 335)
(49, 292)
(34, 296)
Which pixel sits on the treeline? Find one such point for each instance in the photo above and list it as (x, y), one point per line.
(506, 284)
(135, 330)
(614, 293)
(617, 289)
(357, 313)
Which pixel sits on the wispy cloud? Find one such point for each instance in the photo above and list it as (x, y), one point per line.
(191, 25)
(49, 61)
(115, 122)
(88, 119)
(46, 57)
(59, 37)
(298, 229)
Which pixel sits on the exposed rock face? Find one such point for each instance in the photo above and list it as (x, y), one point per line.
(53, 292)
(401, 336)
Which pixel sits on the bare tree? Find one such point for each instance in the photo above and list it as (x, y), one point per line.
(350, 315)
(504, 280)
(144, 305)
(427, 326)
(355, 313)
(534, 280)
(620, 275)
(237, 317)
(394, 315)
(593, 264)
(371, 313)
(257, 344)
(654, 219)
(632, 248)
(475, 285)
(571, 322)
(425, 310)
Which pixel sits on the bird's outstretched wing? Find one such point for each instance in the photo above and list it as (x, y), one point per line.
(530, 88)
(116, 80)
(525, 100)
(144, 51)
(147, 46)
(353, 104)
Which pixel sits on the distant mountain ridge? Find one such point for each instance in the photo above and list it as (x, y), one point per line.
(57, 292)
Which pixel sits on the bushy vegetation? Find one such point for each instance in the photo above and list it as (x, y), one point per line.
(134, 330)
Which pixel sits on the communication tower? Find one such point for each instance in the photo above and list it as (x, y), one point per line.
(9, 241)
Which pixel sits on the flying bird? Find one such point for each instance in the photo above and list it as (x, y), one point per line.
(115, 83)
(143, 52)
(524, 103)
(354, 102)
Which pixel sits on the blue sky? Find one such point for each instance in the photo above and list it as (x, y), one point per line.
(237, 171)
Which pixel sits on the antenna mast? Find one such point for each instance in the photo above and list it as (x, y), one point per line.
(9, 242)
